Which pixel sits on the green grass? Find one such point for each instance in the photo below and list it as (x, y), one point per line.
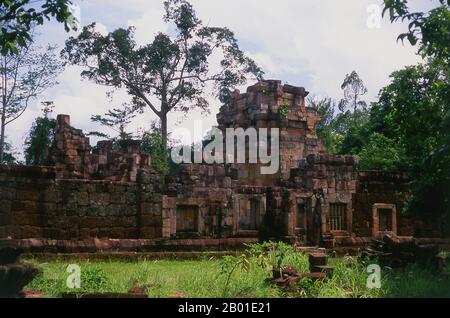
(207, 278)
(200, 278)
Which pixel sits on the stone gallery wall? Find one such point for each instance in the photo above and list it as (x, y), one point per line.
(328, 177)
(36, 205)
(382, 190)
(112, 192)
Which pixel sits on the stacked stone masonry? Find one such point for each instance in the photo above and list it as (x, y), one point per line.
(111, 191)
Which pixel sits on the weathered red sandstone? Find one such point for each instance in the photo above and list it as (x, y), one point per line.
(111, 193)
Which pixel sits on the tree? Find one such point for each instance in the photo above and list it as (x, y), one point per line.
(416, 110)
(354, 89)
(18, 17)
(415, 100)
(40, 137)
(8, 155)
(172, 72)
(431, 29)
(343, 132)
(24, 76)
(348, 125)
(429, 146)
(353, 129)
(325, 129)
(117, 120)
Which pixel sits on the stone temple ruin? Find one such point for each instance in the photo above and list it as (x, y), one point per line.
(109, 198)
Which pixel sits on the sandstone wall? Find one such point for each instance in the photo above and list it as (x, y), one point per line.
(376, 187)
(36, 205)
(112, 192)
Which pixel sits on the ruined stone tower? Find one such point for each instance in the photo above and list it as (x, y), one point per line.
(270, 104)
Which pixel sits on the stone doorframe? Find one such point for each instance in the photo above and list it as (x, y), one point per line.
(169, 213)
(376, 218)
(236, 213)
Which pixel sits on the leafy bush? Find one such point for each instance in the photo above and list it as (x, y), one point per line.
(283, 111)
(380, 153)
(154, 146)
(93, 279)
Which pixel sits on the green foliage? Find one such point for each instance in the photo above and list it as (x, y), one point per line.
(414, 104)
(283, 111)
(342, 132)
(408, 128)
(154, 146)
(352, 129)
(18, 17)
(116, 119)
(229, 264)
(267, 256)
(40, 138)
(415, 107)
(431, 30)
(325, 107)
(204, 278)
(93, 278)
(8, 155)
(380, 153)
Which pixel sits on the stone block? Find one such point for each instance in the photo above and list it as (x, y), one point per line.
(5, 206)
(27, 195)
(150, 221)
(318, 259)
(88, 222)
(83, 199)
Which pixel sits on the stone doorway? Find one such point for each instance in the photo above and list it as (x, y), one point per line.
(303, 220)
(187, 219)
(384, 219)
(249, 214)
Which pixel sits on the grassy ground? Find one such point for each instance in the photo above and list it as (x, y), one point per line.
(232, 277)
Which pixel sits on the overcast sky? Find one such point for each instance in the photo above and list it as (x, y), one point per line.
(310, 43)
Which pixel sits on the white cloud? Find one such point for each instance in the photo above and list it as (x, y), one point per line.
(314, 43)
(149, 24)
(101, 28)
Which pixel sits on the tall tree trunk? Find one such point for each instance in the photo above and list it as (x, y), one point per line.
(2, 133)
(2, 138)
(164, 130)
(163, 117)
(3, 116)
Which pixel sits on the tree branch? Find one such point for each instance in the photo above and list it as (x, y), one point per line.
(144, 98)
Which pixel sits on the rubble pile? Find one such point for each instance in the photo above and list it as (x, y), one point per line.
(394, 252)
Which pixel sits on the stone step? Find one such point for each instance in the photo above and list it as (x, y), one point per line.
(326, 269)
(314, 276)
(318, 259)
(285, 281)
(329, 243)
